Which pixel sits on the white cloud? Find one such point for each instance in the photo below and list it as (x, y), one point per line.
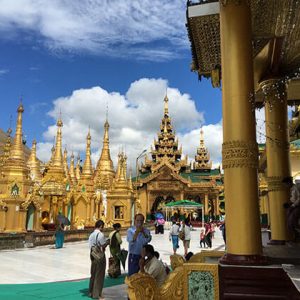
(116, 28)
(134, 120)
(3, 71)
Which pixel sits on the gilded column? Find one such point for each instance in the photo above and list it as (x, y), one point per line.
(278, 160)
(240, 150)
(217, 206)
(206, 204)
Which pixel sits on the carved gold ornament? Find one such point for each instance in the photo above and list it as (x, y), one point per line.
(275, 184)
(239, 154)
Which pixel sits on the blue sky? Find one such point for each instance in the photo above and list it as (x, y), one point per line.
(75, 57)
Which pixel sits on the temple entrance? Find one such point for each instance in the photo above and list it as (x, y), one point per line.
(30, 217)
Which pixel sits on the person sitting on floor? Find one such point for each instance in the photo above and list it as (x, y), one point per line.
(151, 265)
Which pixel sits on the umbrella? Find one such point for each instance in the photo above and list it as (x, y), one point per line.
(184, 203)
(63, 220)
(159, 215)
(122, 256)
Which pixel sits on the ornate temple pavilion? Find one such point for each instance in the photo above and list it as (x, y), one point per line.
(166, 176)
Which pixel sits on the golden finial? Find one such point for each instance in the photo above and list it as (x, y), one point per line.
(166, 107)
(59, 120)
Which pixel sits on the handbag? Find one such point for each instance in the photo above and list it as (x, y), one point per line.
(181, 234)
(96, 252)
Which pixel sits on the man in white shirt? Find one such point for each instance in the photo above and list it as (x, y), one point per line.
(173, 236)
(97, 268)
(151, 265)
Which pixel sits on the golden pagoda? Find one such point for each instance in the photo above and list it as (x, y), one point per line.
(120, 198)
(84, 205)
(16, 186)
(53, 183)
(104, 172)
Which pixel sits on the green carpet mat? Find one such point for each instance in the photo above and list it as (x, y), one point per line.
(53, 290)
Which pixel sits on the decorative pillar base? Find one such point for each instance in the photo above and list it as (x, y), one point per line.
(276, 242)
(245, 260)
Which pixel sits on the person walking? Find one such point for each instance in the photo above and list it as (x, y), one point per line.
(97, 239)
(137, 237)
(208, 234)
(202, 239)
(173, 236)
(114, 269)
(186, 229)
(59, 234)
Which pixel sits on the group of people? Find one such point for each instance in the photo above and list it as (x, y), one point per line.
(142, 256)
(182, 231)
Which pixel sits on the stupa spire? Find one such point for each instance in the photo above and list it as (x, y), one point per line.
(34, 164)
(58, 157)
(105, 169)
(17, 151)
(87, 169)
(72, 169)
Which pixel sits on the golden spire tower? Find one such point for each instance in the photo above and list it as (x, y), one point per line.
(72, 170)
(78, 168)
(85, 192)
(87, 170)
(105, 173)
(34, 164)
(17, 151)
(15, 182)
(54, 182)
(58, 157)
(202, 158)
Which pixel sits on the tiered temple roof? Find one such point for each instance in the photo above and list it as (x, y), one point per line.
(165, 146)
(202, 158)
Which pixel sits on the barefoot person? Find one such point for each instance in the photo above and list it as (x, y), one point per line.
(137, 237)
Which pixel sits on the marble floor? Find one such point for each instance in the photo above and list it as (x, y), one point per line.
(46, 264)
